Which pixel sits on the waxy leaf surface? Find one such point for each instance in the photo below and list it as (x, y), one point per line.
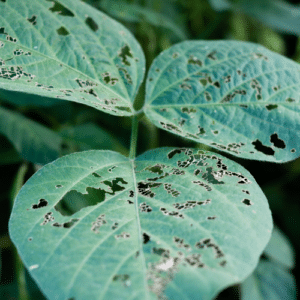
(234, 96)
(172, 224)
(68, 50)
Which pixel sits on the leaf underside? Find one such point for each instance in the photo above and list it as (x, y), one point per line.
(173, 224)
(237, 97)
(68, 50)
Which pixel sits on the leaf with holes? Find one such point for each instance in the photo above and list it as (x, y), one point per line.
(234, 96)
(175, 223)
(35, 142)
(68, 50)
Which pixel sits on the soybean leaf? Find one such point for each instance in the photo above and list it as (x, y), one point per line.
(68, 50)
(269, 281)
(234, 96)
(280, 249)
(34, 142)
(90, 136)
(136, 13)
(279, 15)
(175, 223)
(22, 99)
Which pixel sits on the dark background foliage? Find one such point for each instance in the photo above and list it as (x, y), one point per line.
(157, 25)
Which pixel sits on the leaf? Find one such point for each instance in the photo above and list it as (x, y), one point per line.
(269, 281)
(136, 13)
(68, 50)
(22, 99)
(280, 249)
(174, 223)
(279, 15)
(234, 96)
(90, 136)
(35, 142)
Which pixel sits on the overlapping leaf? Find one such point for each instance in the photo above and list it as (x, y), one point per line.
(269, 281)
(279, 15)
(35, 142)
(234, 96)
(175, 223)
(272, 278)
(68, 50)
(135, 13)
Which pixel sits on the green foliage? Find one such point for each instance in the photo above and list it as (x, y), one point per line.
(172, 223)
(33, 141)
(172, 211)
(232, 96)
(277, 14)
(103, 67)
(272, 278)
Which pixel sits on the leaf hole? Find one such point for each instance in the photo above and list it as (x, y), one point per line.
(276, 141)
(91, 23)
(60, 9)
(146, 238)
(247, 202)
(262, 148)
(42, 203)
(62, 31)
(124, 54)
(271, 106)
(32, 20)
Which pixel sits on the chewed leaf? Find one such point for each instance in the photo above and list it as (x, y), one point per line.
(68, 50)
(173, 224)
(234, 96)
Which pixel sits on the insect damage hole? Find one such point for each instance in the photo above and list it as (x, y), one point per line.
(262, 148)
(62, 31)
(247, 202)
(276, 141)
(42, 203)
(146, 238)
(32, 20)
(124, 54)
(91, 23)
(60, 9)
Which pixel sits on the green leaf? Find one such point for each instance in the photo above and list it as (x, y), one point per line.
(234, 96)
(175, 223)
(280, 249)
(136, 13)
(22, 99)
(35, 142)
(269, 281)
(90, 136)
(69, 50)
(279, 15)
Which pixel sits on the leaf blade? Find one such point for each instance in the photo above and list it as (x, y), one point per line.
(135, 224)
(234, 96)
(32, 140)
(69, 55)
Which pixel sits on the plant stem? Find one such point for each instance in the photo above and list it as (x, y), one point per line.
(134, 134)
